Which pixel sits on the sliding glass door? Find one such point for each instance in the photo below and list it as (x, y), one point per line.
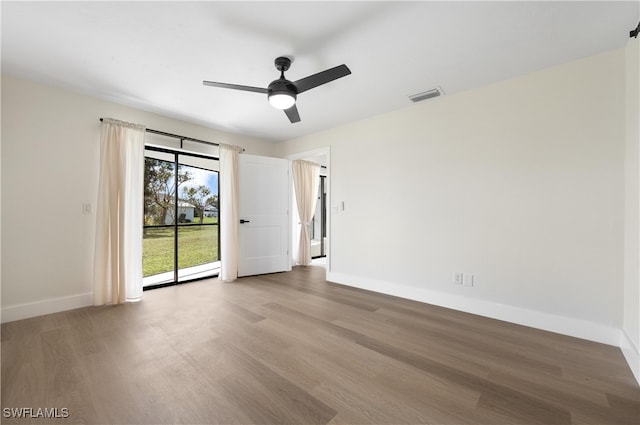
(180, 236)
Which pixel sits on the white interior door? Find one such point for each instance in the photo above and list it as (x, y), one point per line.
(264, 215)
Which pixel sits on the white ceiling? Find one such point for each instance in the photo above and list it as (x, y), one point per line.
(154, 55)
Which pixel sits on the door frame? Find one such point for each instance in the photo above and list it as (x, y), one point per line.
(309, 155)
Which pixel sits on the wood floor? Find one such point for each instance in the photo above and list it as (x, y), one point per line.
(291, 348)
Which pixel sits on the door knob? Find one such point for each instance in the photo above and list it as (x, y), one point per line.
(244, 221)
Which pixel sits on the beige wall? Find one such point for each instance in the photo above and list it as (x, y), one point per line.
(50, 160)
(520, 183)
(631, 320)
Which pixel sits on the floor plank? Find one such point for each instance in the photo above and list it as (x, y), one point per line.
(293, 348)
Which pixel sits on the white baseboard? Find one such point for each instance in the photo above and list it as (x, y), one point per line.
(39, 308)
(631, 354)
(536, 319)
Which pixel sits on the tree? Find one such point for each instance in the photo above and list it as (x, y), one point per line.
(160, 189)
(213, 201)
(199, 198)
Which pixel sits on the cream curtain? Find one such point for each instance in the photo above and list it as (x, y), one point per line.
(306, 178)
(229, 213)
(118, 244)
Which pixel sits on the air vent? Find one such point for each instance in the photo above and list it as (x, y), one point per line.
(426, 95)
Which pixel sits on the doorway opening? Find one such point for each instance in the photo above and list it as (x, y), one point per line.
(319, 222)
(181, 235)
(320, 230)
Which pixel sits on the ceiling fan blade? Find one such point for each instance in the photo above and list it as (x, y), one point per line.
(292, 114)
(320, 78)
(235, 87)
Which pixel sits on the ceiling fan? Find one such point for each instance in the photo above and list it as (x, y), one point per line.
(282, 93)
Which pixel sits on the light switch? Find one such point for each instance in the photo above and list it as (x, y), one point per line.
(467, 279)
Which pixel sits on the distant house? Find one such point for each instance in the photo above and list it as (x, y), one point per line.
(210, 211)
(186, 213)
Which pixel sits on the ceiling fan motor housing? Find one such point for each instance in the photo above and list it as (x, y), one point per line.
(282, 86)
(281, 93)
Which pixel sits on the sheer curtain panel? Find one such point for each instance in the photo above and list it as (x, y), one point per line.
(306, 178)
(118, 245)
(229, 213)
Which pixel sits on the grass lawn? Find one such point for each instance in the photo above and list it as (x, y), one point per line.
(196, 245)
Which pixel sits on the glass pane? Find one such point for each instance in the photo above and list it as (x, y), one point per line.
(198, 194)
(197, 251)
(157, 255)
(159, 192)
(198, 219)
(199, 162)
(158, 251)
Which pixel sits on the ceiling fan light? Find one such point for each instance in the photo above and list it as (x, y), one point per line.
(282, 100)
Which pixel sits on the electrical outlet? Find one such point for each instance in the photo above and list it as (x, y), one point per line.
(457, 278)
(467, 279)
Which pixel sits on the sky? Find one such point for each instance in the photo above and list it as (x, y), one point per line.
(201, 177)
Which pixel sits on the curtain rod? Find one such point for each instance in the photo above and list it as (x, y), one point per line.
(182, 138)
